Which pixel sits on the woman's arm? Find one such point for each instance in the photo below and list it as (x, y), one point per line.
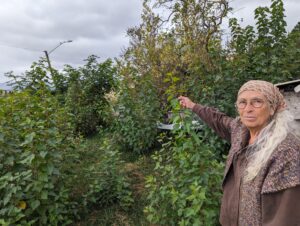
(215, 119)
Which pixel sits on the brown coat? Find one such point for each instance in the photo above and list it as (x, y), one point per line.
(273, 197)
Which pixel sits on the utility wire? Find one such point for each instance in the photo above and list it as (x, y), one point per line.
(16, 47)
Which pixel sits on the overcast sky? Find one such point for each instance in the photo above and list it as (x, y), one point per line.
(28, 27)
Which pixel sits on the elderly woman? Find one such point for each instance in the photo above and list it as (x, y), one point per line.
(261, 184)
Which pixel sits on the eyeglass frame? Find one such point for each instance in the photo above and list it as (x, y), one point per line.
(251, 103)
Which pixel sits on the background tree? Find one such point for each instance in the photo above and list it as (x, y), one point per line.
(86, 99)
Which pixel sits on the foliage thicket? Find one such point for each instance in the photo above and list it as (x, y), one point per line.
(266, 53)
(182, 189)
(86, 95)
(139, 111)
(81, 90)
(35, 136)
(96, 177)
(48, 175)
(32, 80)
(293, 45)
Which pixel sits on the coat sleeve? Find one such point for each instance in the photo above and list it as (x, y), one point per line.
(281, 208)
(216, 120)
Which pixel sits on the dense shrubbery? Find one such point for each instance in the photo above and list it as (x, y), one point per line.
(185, 188)
(88, 86)
(47, 176)
(35, 136)
(96, 176)
(139, 112)
(81, 90)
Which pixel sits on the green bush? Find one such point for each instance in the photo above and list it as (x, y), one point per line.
(97, 165)
(185, 188)
(88, 86)
(34, 137)
(139, 111)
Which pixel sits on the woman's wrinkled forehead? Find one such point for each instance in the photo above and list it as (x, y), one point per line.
(271, 92)
(249, 94)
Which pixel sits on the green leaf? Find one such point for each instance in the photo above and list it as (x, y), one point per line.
(7, 198)
(43, 154)
(1, 137)
(50, 168)
(196, 138)
(44, 195)
(28, 138)
(9, 160)
(34, 204)
(43, 177)
(28, 159)
(4, 223)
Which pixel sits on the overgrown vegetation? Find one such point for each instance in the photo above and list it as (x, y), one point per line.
(182, 188)
(35, 137)
(139, 112)
(81, 147)
(86, 99)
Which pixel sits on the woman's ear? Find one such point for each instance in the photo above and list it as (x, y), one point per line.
(272, 111)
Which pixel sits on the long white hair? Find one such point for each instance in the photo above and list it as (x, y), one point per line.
(267, 141)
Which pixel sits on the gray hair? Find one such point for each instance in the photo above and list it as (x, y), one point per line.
(267, 141)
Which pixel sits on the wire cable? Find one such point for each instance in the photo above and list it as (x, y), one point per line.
(16, 47)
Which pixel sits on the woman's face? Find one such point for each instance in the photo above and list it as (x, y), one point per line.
(254, 110)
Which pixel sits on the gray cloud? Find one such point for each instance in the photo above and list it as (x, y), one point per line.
(29, 27)
(97, 27)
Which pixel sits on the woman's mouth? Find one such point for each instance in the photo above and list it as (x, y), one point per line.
(250, 118)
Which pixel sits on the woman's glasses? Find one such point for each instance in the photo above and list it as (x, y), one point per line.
(256, 102)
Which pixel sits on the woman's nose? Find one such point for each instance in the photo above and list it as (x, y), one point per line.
(249, 107)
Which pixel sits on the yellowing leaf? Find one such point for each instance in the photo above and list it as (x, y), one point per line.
(22, 205)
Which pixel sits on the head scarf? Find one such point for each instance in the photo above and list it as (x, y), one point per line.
(270, 91)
